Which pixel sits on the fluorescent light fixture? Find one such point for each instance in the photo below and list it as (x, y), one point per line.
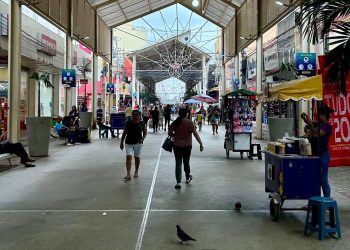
(243, 38)
(85, 38)
(195, 3)
(281, 4)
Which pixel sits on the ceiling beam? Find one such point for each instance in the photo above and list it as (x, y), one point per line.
(229, 3)
(205, 4)
(121, 9)
(101, 5)
(205, 17)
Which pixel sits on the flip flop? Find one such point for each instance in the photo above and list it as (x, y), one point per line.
(126, 178)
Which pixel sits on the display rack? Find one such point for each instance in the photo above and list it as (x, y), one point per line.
(239, 113)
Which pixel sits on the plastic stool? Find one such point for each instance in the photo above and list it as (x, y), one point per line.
(318, 206)
(258, 151)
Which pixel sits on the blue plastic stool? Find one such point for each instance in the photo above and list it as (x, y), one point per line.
(318, 223)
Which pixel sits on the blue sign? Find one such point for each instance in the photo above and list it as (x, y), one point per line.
(110, 88)
(305, 64)
(69, 78)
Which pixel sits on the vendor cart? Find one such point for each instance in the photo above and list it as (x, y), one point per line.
(118, 122)
(238, 114)
(292, 176)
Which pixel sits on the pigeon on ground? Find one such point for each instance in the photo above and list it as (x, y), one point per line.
(184, 237)
(238, 206)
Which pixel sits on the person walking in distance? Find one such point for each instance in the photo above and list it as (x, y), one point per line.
(167, 116)
(134, 135)
(182, 130)
(155, 118)
(145, 114)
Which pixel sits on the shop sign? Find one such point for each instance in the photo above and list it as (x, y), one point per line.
(271, 59)
(69, 78)
(339, 143)
(305, 64)
(84, 81)
(46, 45)
(85, 49)
(110, 88)
(251, 67)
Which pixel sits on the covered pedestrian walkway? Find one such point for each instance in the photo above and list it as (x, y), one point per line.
(77, 199)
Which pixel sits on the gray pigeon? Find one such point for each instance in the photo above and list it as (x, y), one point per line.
(184, 237)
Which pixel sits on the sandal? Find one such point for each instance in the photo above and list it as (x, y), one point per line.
(136, 175)
(127, 178)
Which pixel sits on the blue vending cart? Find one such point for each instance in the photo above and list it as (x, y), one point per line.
(290, 177)
(118, 121)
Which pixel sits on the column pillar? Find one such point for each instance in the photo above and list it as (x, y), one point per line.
(14, 70)
(138, 92)
(303, 106)
(94, 89)
(110, 96)
(200, 87)
(31, 95)
(223, 81)
(133, 82)
(68, 64)
(56, 94)
(259, 79)
(205, 75)
(237, 69)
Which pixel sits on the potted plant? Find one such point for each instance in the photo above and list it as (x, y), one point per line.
(38, 127)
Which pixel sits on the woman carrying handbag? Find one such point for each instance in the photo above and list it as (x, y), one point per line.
(182, 130)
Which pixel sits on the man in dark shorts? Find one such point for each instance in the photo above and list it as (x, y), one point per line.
(134, 135)
(167, 116)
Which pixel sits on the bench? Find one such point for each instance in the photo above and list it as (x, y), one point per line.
(7, 156)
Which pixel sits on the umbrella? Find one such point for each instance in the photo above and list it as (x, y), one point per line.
(191, 101)
(204, 98)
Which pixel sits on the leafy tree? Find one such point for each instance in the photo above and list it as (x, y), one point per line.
(189, 93)
(149, 98)
(45, 78)
(329, 20)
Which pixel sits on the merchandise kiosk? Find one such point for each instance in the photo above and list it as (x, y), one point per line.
(238, 114)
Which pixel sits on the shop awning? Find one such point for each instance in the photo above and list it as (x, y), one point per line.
(296, 90)
(241, 92)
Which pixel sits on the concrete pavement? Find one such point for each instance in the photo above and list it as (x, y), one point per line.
(60, 204)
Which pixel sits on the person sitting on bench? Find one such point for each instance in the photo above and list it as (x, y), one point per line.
(104, 127)
(66, 131)
(17, 149)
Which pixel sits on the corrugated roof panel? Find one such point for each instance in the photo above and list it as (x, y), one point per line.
(112, 12)
(156, 4)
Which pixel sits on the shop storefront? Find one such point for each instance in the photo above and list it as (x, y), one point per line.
(4, 86)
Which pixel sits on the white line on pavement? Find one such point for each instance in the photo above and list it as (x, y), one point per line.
(148, 205)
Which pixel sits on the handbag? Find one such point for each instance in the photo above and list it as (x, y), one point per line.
(168, 144)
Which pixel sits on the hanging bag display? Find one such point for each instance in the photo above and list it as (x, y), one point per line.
(168, 144)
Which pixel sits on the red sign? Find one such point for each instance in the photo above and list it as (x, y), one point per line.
(47, 45)
(84, 81)
(339, 143)
(85, 49)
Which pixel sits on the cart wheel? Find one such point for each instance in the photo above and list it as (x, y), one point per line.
(275, 210)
